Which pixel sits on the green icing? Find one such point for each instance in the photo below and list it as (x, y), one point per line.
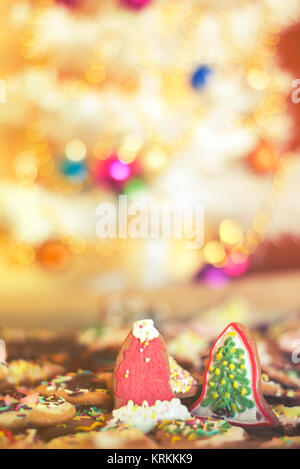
(194, 427)
(228, 385)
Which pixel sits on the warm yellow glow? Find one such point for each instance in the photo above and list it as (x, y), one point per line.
(154, 159)
(230, 232)
(261, 223)
(102, 149)
(214, 252)
(130, 147)
(25, 167)
(76, 150)
(258, 79)
(24, 255)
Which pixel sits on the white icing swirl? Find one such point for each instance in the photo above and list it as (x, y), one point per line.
(146, 417)
(144, 330)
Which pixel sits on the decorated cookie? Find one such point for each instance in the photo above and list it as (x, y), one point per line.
(122, 437)
(283, 442)
(289, 418)
(81, 388)
(18, 411)
(289, 378)
(275, 393)
(187, 348)
(182, 382)
(26, 440)
(232, 382)
(99, 338)
(142, 390)
(59, 348)
(198, 432)
(75, 441)
(87, 419)
(27, 373)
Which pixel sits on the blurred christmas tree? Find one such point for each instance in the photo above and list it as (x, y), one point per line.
(154, 99)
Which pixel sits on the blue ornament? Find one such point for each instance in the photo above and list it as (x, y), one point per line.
(76, 171)
(200, 76)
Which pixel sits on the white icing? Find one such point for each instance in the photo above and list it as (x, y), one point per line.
(145, 330)
(146, 417)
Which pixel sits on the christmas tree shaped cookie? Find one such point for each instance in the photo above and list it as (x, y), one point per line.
(142, 390)
(232, 381)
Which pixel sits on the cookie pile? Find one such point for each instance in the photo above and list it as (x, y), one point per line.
(119, 388)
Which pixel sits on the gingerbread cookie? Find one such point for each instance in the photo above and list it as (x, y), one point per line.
(27, 373)
(26, 440)
(142, 390)
(232, 382)
(75, 441)
(182, 382)
(18, 411)
(197, 432)
(122, 437)
(283, 442)
(81, 388)
(188, 348)
(289, 378)
(87, 419)
(289, 418)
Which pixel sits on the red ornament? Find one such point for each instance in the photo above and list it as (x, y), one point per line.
(136, 4)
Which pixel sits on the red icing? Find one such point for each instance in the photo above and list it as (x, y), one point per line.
(254, 379)
(147, 380)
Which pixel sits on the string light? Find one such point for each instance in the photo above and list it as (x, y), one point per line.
(75, 150)
(39, 161)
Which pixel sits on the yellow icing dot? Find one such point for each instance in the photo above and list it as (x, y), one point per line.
(242, 367)
(231, 366)
(235, 385)
(226, 394)
(231, 376)
(231, 333)
(211, 383)
(243, 391)
(234, 407)
(211, 368)
(225, 362)
(217, 371)
(146, 343)
(241, 357)
(215, 395)
(219, 356)
(223, 381)
(233, 350)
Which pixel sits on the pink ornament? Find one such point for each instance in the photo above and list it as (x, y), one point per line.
(119, 171)
(69, 3)
(215, 278)
(234, 268)
(136, 4)
(113, 173)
